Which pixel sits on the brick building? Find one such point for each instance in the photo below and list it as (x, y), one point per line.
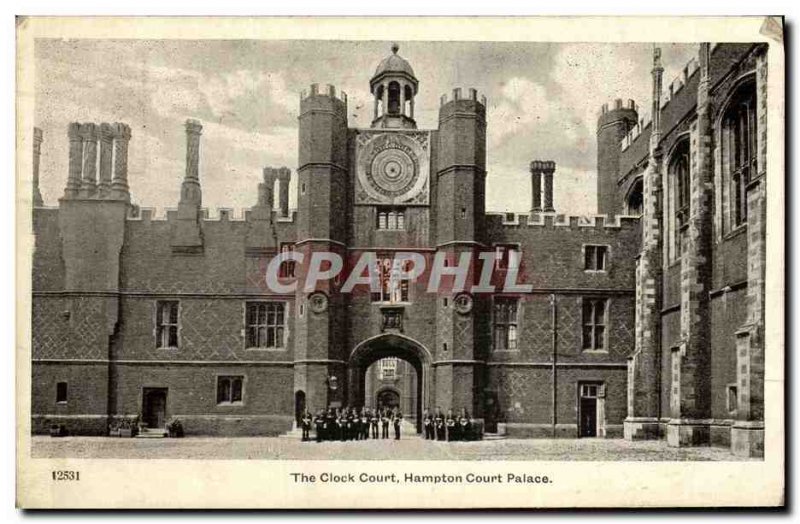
(138, 313)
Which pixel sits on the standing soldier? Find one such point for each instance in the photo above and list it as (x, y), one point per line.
(349, 422)
(340, 424)
(364, 424)
(306, 424)
(427, 422)
(319, 424)
(397, 419)
(330, 425)
(465, 428)
(438, 421)
(374, 421)
(385, 423)
(450, 423)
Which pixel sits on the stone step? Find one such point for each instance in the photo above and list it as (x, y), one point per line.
(152, 433)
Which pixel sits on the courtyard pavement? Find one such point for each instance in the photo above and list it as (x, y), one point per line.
(408, 448)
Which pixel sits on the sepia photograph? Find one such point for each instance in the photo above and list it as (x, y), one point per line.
(314, 249)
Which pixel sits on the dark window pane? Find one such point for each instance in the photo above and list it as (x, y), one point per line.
(236, 389)
(61, 392)
(599, 337)
(223, 390)
(173, 336)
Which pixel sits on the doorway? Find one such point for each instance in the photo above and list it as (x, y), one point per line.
(299, 406)
(388, 399)
(590, 410)
(154, 407)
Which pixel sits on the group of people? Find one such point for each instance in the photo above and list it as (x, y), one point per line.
(449, 427)
(351, 423)
(342, 424)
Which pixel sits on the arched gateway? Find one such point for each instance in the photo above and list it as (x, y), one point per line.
(390, 345)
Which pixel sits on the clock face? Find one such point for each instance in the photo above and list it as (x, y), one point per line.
(463, 303)
(318, 302)
(392, 168)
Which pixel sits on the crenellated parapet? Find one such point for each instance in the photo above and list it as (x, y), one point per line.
(323, 98)
(566, 222)
(98, 161)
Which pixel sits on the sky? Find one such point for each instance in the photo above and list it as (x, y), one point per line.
(543, 101)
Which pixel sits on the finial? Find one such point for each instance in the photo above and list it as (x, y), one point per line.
(395, 47)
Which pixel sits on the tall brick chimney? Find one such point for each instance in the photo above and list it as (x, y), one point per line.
(266, 189)
(89, 180)
(542, 201)
(37, 153)
(119, 182)
(106, 154)
(284, 175)
(190, 189)
(186, 229)
(548, 169)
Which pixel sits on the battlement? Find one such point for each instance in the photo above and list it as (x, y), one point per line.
(618, 104)
(643, 123)
(220, 214)
(670, 91)
(472, 94)
(326, 90)
(566, 222)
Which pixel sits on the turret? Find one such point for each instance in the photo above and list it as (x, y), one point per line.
(393, 87)
(461, 167)
(613, 124)
(321, 228)
(460, 201)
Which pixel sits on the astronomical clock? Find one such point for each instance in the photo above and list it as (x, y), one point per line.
(393, 168)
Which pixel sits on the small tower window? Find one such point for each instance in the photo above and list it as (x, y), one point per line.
(61, 392)
(394, 98)
(393, 218)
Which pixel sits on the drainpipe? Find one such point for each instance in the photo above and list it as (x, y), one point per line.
(555, 346)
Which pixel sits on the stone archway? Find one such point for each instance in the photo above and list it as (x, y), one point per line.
(390, 345)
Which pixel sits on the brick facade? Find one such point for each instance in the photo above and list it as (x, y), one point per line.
(102, 267)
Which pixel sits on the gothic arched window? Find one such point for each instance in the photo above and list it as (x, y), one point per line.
(680, 190)
(635, 200)
(738, 159)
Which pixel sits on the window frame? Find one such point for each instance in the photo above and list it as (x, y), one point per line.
(399, 289)
(158, 327)
(506, 324)
(593, 325)
(736, 171)
(502, 256)
(606, 250)
(735, 389)
(266, 326)
(231, 380)
(390, 218)
(287, 268)
(679, 195)
(66, 392)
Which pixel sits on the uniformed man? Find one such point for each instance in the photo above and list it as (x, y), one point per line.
(350, 423)
(438, 422)
(330, 425)
(374, 421)
(397, 418)
(450, 424)
(465, 428)
(305, 423)
(364, 424)
(427, 423)
(342, 419)
(385, 418)
(319, 425)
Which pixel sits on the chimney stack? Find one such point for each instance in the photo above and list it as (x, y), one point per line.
(190, 190)
(536, 186)
(89, 180)
(75, 160)
(106, 155)
(37, 153)
(542, 169)
(119, 182)
(284, 175)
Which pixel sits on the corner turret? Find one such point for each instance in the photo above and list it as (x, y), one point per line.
(613, 125)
